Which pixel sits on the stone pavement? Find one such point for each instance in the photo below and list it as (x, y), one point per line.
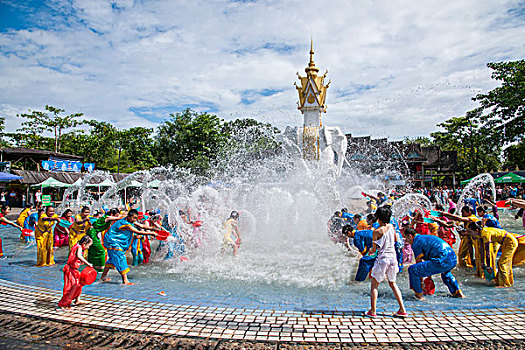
(230, 324)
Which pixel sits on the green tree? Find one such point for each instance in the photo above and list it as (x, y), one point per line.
(424, 141)
(136, 149)
(504, 107)
(38, 122)
(57, 123)
(478, 149)
(97, 144)
(3, 142)
(189, 140)
(515, 155)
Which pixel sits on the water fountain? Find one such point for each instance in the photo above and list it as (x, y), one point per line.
(286, 260)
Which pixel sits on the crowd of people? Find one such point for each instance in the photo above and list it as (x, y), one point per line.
(102, 239)
(421, 239)
(424, 240)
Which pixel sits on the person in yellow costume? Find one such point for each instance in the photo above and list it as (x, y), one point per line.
(44, 237)
(22, 217)
(469, 247)
(504, 277)
(80, 227)
(519, 255)
(232, 236)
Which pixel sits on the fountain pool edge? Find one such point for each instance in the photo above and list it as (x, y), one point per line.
(264, 325)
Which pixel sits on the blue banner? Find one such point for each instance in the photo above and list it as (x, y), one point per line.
(62, 165)
(89, 167)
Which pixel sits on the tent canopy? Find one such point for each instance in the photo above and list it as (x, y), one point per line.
(51, 182)
(464, 182)
(6, 177)
(509, 178)
(105, 183)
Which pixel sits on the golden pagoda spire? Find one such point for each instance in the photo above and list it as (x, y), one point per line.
(311, 65)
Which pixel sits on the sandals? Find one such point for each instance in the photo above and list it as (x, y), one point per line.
(370, 314)
(400, 314)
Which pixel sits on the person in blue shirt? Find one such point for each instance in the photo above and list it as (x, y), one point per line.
(347, 217)
(488, 219)
(363, 243)
(175, 244)
(117, 241)
(472, 203)
(433, 256)
(399, 243)
(371, 220)
(30, 223)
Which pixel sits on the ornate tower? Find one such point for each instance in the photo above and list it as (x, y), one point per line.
(312, 95)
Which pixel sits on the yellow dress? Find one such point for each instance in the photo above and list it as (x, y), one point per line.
(466, 247)
(519, 255)
(228, 240)
(22, 218)
(509, 244)
(77, 231)
(44, 241)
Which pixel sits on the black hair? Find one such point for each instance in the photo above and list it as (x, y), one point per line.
(344, 210)
(40, 211)
(132, 212)
(371, 218)
(49, 206)
(29, 206)
(234, 215)
(410, 231)
(65, 212)
(347, 229)
(439, 207)
(84, 208)
(482, 208)
(5, 207)
(181, 212)
(337, 213)
(357, 216)
(475, 225)
(113, 212)
(85, 239)
(383, 214)
(466, 209)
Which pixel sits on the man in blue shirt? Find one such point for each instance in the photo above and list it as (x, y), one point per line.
(363, 243)
(117, 241)
(433, 256)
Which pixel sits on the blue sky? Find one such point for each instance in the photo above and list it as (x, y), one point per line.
(397, 68)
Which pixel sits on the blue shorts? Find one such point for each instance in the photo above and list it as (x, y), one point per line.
(117, 260)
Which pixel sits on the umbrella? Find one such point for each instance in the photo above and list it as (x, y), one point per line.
(509, 178)
(51, 182)
(6, 177)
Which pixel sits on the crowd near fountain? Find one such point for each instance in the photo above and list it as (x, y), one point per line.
(260, 232)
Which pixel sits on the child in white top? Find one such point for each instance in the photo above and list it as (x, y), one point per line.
(384, 239)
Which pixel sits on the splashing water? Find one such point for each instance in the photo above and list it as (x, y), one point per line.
(409, 203)
(481, 186)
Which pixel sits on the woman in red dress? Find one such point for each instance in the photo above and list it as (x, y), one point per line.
(72, 286)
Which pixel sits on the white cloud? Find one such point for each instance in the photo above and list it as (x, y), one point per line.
(397, 67)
